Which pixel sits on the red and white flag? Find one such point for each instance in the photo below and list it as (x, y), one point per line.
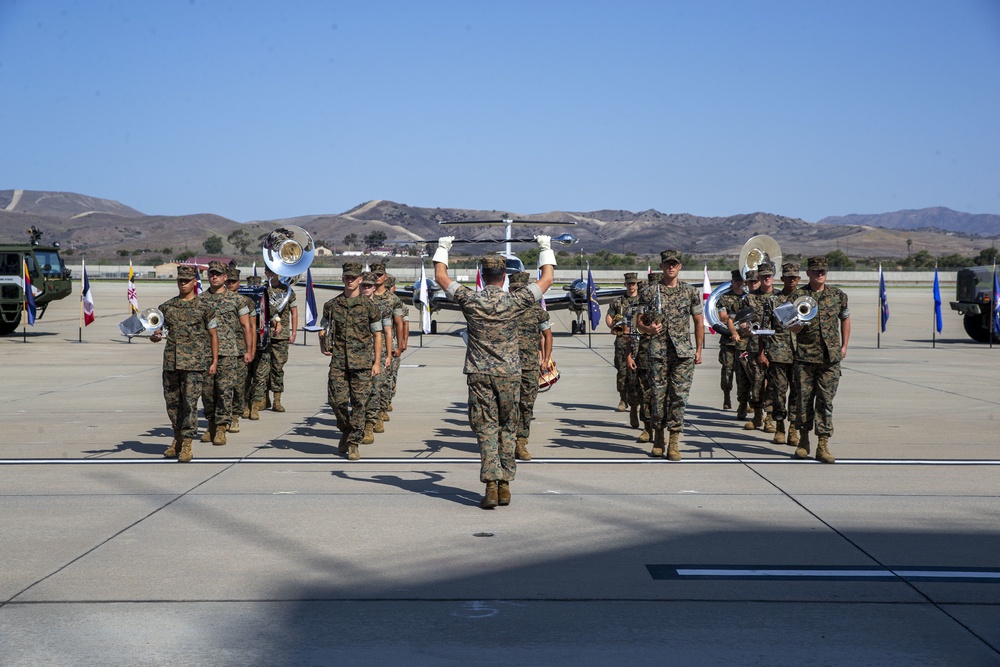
(133, 297)
(88, 298)
(706, 291)
(479, 279)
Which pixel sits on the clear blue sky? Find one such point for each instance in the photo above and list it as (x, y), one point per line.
(259, 110)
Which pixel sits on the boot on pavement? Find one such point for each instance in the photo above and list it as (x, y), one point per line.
(802, 451)
(503, 493)
(369, 435)
(186, 454)
(823, 454)
(673, 447)
(658, 443)
(234, 425)
(209, 434)
(521, 450)
(741, 412)
(779, 432)
(276, 405)
(220, 435)
(490, 498)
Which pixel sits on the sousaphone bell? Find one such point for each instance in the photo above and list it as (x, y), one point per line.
(288, 253)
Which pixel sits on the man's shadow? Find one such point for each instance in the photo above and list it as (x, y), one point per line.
(316, 435)
(461, 438)
(154, 441)
(427, 486)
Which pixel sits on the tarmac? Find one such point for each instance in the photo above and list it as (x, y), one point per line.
(276, 550)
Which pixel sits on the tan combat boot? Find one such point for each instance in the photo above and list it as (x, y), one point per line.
(186, 455)
(622, 406)
(369, 435)
(276, 406)
(352, 453)
(490, 499)
(521, 450)
(342, 447)
(769, 426)
(673, 447)
(254, 411)
(220, 435)
(822, 453)
(389, 408)
(378, 427)
(172, 450)
(658, 444)
(779, 432)
(647, 432)
(802, 451)
(741, 412)
(209, 434)
(384, 416)
(503, 493)
(793, 436)
(246, 412)
(633, 417)
(727, 403)
(234, 425)
(756, 422)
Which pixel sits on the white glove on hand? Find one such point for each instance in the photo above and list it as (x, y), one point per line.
(444, 245)
(546, 256)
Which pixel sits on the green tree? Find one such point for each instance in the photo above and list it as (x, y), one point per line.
(213, 245)
(185, 254)
(241, 240)
(375, 239)
(839, 260)
(986, 257)
(350, 240)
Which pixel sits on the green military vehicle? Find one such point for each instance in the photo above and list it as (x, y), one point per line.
(49, 277)
(975, 302)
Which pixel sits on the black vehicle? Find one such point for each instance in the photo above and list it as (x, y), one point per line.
(975, 302)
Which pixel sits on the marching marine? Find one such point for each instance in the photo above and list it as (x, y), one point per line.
(778, 357)
(730, 350)
(249, 353)
(284, 316)
(534, 343)
(615, 320)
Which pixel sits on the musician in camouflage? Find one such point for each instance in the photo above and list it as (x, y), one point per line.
(390, 305)
(761, 301)
(618, 311)
(492, 360)
(259, 369)
(778, 357)
(191, 352)
(670, 308)
(240, 404)
(534, 344)
(730, 351)
(820, 346)
(639, 360)
(390, 284)
(352, 338)
(233, 329)
(284, 323)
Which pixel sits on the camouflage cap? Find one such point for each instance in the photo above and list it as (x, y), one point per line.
(737, 274)
(352, 269)
(215, 266)
(819, 263)
(519, 279)
(187, 272)
(390, 281)
(232, 273)
(670, 256)
(493, 262)
(631, 277)
(378, 268)
(790, 270)
(368, 279)
(655, 277)
(765, 270)
(750, 276)
(642, 284)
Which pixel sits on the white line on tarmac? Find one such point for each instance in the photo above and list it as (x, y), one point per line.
(435, 461)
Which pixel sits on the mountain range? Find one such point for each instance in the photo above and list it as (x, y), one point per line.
(100, 228)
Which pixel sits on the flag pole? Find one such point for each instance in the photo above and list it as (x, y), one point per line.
(878, 314)
(934, 326)
(993, 304)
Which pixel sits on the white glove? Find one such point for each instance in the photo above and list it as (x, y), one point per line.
(545, 256)
(444, 245)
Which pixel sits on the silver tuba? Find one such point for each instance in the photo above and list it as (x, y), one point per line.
(142, 324)
(288, 252)
(712, 309)
(800, 311)
(759, 250)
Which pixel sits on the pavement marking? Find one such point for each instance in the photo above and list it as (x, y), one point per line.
(833, 573)
(326, 460)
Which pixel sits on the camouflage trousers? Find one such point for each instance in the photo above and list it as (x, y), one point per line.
(379, 391)
(181, 391)
(817, 388)
(781, 383)
(493, 407)
(732, 367)
(529, 394)
(348, 392)
(671, 383)
(217, 390)
(278, 351)
(240, 390)
(261, 367)
(621, 367)
(758, 381)
(393, 379)
(633, 388)
(646, 393)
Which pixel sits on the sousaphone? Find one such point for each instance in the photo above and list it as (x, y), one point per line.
(288, 252)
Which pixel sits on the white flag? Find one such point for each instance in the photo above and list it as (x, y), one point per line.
(706, 291)
(425, 306)
(133, 297)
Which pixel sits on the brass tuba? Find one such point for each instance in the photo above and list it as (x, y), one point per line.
(759, 250)
(288, 252)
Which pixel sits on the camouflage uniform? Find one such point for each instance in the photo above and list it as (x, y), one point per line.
(757, 373)
(780, 352)
(217, 391)
(530, 326)
(493, 369)
(730, 351)
(671, 354)
(243, 370)
(348, 325)
(187, 356)
(640, 356)
(278, 344)
(622, 306)
(817, 358)
(378, 400)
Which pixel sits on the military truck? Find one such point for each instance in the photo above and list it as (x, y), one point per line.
(50, 278)
(975, 302)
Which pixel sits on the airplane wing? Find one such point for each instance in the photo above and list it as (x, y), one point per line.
(573, 298)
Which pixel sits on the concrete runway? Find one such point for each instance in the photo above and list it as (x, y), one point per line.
(274, 550)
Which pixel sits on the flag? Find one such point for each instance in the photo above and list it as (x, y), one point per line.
(29, 295)
(706, 291)
(595, 308)
(479, 279)
(996, 301)
(133, 297)
(937, 303)
(197, 287)
(255, 269)
(425, 306)
(87, 297)
(310, 303)
(883, 302)
(366, 266)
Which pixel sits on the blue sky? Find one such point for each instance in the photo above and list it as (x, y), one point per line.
(259, 110)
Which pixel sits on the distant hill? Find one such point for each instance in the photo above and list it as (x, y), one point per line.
(101, 228)
(925, 218)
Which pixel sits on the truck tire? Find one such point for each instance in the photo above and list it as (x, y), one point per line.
(977, 332)
(10, 327)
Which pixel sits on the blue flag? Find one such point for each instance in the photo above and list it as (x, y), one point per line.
(996, 302)
(937, 302)
(311, 313)
(594, 307)
(29, 296)
(883, 301)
